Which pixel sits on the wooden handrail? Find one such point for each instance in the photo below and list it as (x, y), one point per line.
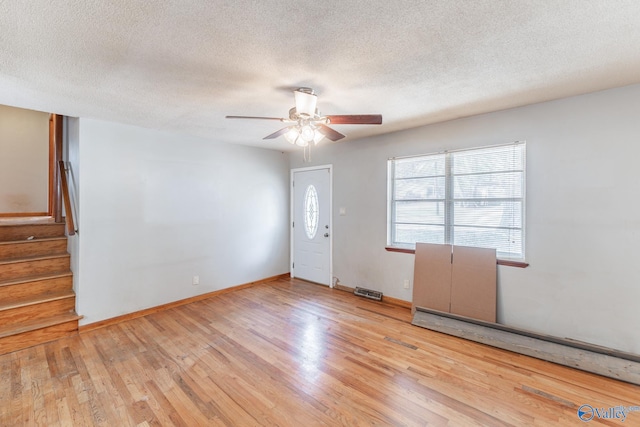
(56, 123)
(71, 229)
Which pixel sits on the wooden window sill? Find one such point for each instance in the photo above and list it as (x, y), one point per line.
(506, 262)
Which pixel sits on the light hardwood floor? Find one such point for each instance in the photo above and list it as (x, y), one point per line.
(290, 353)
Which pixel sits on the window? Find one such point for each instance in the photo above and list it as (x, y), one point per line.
(468, 198)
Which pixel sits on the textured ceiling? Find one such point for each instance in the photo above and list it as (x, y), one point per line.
(183, 65)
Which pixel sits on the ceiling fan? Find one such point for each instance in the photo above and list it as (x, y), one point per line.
(307, 126)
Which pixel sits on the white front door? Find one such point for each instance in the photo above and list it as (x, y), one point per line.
(311, 212)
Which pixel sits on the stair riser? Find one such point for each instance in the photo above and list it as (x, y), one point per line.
(31, 338)
(43, 310)
(35, 287)
(16, 270)
(32, 248)
(22, 232)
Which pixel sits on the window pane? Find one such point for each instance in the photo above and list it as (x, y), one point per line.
(420, 212)
(418, 167)
(508, 243)
(494, 159)
(488, 186)
(488, 214)
(410, 234)
(420, 188)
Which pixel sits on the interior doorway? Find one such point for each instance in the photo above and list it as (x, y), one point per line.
(28, 162)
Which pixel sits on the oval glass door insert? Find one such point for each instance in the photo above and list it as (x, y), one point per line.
(311, 211)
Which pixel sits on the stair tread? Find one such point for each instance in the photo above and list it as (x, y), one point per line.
(35, 277)
(36, 239)
(37, 299)
(28, 220)
(21, 221)
(10, 330)
(34, 258)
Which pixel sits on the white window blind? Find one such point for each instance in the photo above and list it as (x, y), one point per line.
(469, 198)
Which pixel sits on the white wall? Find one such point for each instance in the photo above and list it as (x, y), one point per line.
(24, 161)
(72, 156)
(583, 213)
(158, 208)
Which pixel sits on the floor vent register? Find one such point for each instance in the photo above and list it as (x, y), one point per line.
(368, 293)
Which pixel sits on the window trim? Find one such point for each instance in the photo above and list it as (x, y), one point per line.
(499, 261)
(519, 262)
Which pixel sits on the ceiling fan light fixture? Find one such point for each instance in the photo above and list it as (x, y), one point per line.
(306, 101)
(292, 135)
(317, 137)
(307, 133)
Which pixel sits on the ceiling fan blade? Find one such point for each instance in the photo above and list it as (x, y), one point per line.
(358, 119)
(277, 134)
(330, 133)
(255, 117)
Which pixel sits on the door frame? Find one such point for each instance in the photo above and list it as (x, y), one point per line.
(291, 216)
(54, 196)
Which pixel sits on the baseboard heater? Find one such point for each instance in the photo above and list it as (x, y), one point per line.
(575, 354)
(368, 293)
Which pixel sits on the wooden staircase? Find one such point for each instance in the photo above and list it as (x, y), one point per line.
(37, 301)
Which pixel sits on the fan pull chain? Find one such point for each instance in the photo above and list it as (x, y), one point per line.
(307, 153)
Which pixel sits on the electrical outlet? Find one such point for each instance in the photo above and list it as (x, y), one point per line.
(196, 280)
(406, 283)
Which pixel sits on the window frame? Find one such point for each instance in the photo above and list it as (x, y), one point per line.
(450, 200)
